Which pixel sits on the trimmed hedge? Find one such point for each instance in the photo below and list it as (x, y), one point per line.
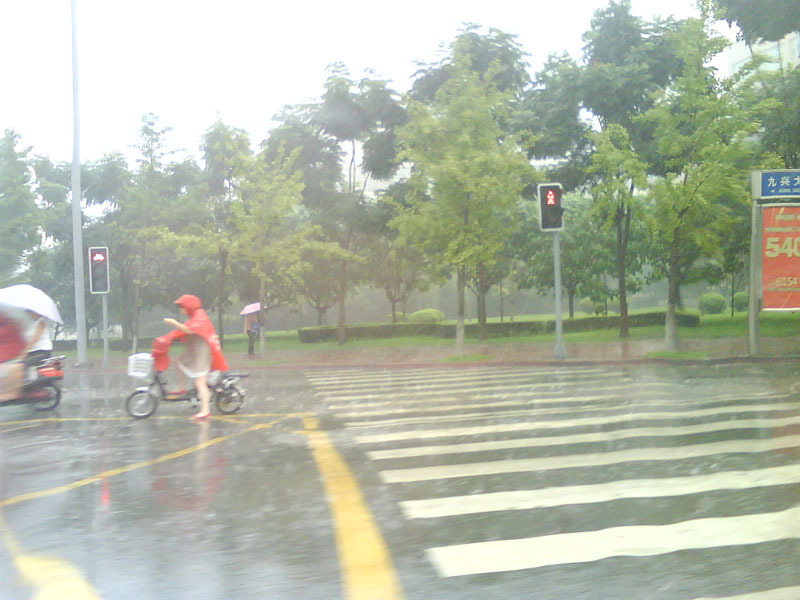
(366, 331)
(712, 303)
(505, 329)
(741, 301)
(426, 315)
(115, 344)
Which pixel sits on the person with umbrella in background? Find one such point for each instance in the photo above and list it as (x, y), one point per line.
(252, 327)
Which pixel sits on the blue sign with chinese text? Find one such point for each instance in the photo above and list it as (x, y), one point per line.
(780, 184)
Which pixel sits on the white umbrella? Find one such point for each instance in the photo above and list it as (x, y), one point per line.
(30, 298)
(251, 308)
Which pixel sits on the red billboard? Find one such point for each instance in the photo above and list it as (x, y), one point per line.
(780, 257)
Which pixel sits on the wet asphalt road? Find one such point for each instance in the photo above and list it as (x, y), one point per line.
(648, 481)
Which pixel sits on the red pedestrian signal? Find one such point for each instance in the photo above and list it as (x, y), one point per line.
(99, 279)
(550, 209)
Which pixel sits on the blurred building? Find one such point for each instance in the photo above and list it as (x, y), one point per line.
(784, 52)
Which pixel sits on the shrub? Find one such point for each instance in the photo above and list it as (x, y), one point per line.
(586, 306)
(505, 329)
(366, 331)
(426, 315)
(711, 303)
(741, 301)
(400, 316)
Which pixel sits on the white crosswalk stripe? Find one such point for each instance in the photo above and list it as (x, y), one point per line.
(562, 423)
(565, 548)
(574, 461)
(726, 425)
(786, 593)
(584, 420)
(602, 492)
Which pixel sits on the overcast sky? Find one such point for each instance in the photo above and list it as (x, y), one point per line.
(193, 61)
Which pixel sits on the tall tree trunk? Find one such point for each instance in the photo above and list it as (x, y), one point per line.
(623, 230)
(135, 322)
(341, 334)
(461, 285)
(394, 311)
(482, 329)
(262, 298)
(501, 300)
(571, 302)
(222, 296)
(673, 299)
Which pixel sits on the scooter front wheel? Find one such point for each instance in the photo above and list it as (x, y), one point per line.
(50, 397)
(141, 404)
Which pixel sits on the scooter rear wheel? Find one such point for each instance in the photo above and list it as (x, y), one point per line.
(51, 396)
(229, 400)
(141, 404)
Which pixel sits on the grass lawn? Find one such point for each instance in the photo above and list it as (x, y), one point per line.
(771, 324)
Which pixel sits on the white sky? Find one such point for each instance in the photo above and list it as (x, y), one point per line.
(192, 61)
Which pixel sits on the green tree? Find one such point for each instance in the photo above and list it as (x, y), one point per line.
(155, 213)
(585, 254)
(702, 134)
(394, 264)
(762, 20)
(776, 97)
(227, 157)
(619, 172)
(472, 171)
(21, 221)
(269, 235)
(353, 114)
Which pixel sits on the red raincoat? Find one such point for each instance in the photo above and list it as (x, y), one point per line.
(200, 324)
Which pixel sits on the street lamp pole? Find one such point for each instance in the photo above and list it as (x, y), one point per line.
(77, 235)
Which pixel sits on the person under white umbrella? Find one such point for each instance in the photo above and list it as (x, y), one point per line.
(30, 298)
(41, 308)
(13, 323)
(252, 327)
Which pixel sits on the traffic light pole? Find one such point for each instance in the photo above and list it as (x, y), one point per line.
(560, 350)
(105, 330)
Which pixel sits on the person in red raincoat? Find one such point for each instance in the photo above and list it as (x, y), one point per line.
(202, 351)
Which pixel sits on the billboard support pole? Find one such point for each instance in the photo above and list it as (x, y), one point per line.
(755, 281)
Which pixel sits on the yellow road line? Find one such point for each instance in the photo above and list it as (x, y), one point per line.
(145, 463)
(132, 420)
(51, 578)
(18, 428)
(367, 569)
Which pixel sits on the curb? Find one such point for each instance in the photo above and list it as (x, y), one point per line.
(440, 364)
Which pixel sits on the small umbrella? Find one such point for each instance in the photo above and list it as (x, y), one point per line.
(30, 298)
(251, 308)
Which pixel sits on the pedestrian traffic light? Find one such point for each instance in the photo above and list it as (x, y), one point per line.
(99, 282)
(550, 209)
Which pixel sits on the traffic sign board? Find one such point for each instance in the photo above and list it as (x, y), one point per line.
(781, 183)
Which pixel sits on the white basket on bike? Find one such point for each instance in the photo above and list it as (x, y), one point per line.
(140, 365)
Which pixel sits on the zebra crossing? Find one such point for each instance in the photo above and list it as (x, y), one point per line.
(572, 467)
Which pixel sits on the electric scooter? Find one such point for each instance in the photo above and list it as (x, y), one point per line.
(226, 395)
(44, 391)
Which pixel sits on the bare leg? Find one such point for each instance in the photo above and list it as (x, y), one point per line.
(203, 393)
